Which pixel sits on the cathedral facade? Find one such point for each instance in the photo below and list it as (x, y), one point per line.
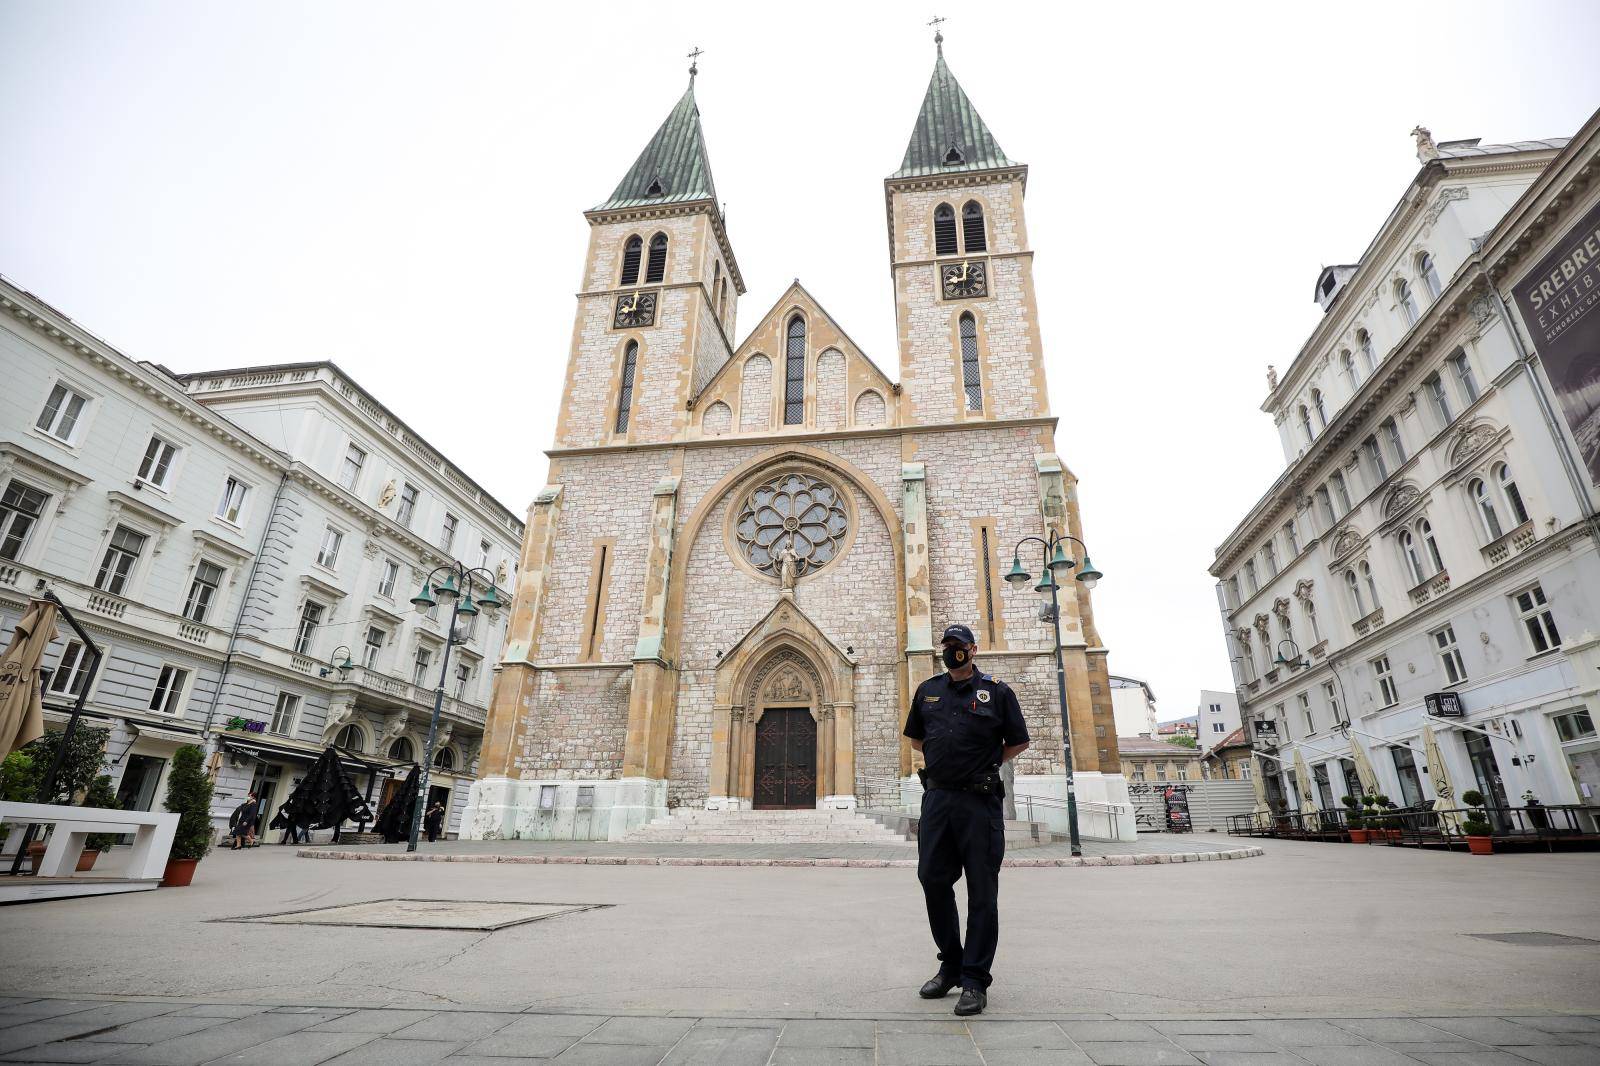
(735, 577)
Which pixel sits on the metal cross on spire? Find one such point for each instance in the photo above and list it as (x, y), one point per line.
(938, 34)
(694, 62)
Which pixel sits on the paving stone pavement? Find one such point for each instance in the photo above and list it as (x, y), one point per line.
(170, 1033)
(1149, 849)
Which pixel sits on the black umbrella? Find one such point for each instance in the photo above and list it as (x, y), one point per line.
(394, 821)
(326, 797)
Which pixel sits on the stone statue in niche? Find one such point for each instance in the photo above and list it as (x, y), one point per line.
(788, 567)
(386, 497)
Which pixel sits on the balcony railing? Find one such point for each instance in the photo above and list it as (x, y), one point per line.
(87, 599)
(1427, 826)
(1367, 624)
(1431, 587)
(398, 690)
(1518, 540)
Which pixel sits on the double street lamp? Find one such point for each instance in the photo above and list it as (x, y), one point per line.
(456, 590)
(1056, 560)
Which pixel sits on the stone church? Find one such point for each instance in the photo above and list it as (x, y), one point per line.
(737, 572)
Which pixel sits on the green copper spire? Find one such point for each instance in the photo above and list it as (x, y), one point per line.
(950, 136)
(673, 167)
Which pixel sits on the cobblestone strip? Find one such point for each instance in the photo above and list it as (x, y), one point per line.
(1139, 859)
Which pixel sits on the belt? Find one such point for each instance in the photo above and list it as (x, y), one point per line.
(985, 784)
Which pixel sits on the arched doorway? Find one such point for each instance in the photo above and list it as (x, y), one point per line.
(785, 756)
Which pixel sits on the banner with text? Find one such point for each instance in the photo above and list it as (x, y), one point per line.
(1560, 303)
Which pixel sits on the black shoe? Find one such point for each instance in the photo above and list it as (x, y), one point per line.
(938, 986)
(972, 1001)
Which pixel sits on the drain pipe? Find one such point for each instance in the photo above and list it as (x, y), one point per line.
(238, 620)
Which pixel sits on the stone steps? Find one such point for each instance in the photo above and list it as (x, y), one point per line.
(686, 826)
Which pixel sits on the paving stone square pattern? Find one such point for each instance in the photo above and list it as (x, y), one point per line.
(484, 915)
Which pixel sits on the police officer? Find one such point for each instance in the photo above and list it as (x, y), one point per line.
(966, 724)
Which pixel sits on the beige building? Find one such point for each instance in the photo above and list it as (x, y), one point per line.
(1149, 760)
(737, 571)
(1229, 759)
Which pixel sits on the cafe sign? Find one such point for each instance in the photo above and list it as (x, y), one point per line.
(246, 725)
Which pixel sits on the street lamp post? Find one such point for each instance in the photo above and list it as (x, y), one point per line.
(1057, 561)
(456, 590)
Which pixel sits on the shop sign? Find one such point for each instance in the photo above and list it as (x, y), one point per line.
(246, 725)
(1443, 705)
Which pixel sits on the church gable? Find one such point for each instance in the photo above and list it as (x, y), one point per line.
(797, 371)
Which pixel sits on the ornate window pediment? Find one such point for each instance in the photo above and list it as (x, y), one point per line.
(1401, 499)
(1345, 541)
(1471, 440)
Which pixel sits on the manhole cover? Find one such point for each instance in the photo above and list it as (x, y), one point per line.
(1544, 939)
(422, 914)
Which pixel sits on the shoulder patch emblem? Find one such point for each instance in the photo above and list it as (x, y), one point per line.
(983, 695)
(930, 699)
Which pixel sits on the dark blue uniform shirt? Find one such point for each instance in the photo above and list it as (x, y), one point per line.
(964, 725)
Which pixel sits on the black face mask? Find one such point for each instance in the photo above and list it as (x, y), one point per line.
(955, 657)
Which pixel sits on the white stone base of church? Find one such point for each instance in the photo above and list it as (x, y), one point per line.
(504, 808)
(1105, 811)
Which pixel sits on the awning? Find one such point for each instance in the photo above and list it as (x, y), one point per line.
(165, 736)
(264, 751)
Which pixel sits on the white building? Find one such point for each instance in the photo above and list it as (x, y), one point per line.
(1216, 716)
(1434, 527)
(225, 537)
(1134, 706)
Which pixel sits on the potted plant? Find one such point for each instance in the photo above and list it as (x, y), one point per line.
(1354, 820)
(25, 768)
(1537, 815)
(189, 797)
(100, 794)
(1476, 826)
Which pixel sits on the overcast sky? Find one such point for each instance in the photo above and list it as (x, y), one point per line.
(398, 187)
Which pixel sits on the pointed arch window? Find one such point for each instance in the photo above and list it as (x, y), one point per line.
(630, 367)
(1508, 486)
(1487, 515)
(944, 230)
(632, 253)
(656, 269)
(971, 375)
(794, 374)
(972, 232)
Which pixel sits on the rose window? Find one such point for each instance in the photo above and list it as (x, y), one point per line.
(792, 511)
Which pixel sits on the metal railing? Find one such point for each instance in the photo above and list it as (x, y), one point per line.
(1425, 825)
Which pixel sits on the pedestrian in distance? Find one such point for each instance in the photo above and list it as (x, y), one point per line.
(242, 824)
(966, 724)
(433, 821)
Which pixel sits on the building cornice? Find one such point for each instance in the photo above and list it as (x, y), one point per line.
(727, 439)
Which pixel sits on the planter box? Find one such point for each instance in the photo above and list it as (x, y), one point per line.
(1358, 836)
(1481, 845)
(86, 860)
(179, 873)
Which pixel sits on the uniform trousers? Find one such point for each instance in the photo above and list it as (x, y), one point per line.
(962, 833)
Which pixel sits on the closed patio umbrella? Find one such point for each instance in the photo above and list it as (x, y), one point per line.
(1263, 810)
(1364, 770)
(1308, 788)
(21, 698)
(1439, 774)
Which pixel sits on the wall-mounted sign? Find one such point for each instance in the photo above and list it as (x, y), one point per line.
(237, 722)
(1560, 304)
(1443, 705)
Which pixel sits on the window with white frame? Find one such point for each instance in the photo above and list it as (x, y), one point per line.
(1429, 275)
(116, 566)
(1372, 586)
(350, 473)
(1304, 699)
(376, 638)
(1364, 342)
(1539, 623)
(1250, 584)
(1232, 587)
(1391, 436)
(168, 690)
(328, 554)
(1291, 536)
(1444, 642)
(1513, 495)
(1347, 367)
(1305, 424)
(447, 531)
(1325, 506)
(157, 462)
(62, 413)
(419, 666)
(483, 553)
(71, 671)
(1375, 463)
(285, 713)
(1573, 725)
(1269, 556)
(1438, 398)
(311, 616)
(1330, 696)
(202, 591)
(1483, 504)
(1340, 493)
(463, 679)
(1463, 373)
(1388, 695)
(1407, 302)
(1430, 545)
(21, 508)
(1320, 408)
(1411, 557)
(1244, 771)
(388, 578)
(1219, 727)
(408, 504)
(1354, 588)
(230, 508)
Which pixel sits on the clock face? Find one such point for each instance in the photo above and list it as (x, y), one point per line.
(961, 280)
(635, 309)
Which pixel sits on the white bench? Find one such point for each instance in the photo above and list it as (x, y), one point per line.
(152, 836)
